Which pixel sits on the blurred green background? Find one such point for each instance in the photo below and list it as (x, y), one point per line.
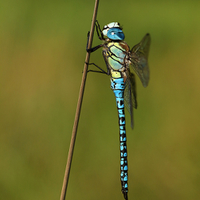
(42, 53)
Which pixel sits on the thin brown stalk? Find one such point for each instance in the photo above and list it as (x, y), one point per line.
(78, 109)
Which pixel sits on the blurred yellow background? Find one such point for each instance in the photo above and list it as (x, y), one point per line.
(42, 53)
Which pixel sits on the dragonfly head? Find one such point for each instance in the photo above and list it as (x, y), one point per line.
(113, 31)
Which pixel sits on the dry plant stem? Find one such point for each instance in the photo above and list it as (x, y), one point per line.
(78, 109)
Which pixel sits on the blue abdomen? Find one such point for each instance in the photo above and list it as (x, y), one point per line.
(118, 86)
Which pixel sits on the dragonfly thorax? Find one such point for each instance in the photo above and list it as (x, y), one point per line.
(116, 55)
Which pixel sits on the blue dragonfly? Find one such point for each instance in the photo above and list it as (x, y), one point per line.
(118, 58)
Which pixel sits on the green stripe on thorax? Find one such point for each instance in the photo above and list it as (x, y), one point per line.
(116, 53)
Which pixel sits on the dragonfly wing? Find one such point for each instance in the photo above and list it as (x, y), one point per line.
(139, 59)
(130, 100)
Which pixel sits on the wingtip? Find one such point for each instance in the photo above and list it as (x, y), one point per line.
(132, 126)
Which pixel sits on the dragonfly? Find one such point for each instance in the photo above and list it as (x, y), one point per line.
(121, 62)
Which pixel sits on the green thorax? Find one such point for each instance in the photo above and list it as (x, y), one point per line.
(116, 54)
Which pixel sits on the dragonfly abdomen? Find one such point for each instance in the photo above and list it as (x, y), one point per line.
(118, 86)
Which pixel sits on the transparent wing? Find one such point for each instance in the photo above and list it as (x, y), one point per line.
(139, 59)
(130, 100)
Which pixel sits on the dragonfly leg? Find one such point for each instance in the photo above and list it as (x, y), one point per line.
(88, 35)
(100, 36)
(99, 31)
(93, 48)
(101, 70)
